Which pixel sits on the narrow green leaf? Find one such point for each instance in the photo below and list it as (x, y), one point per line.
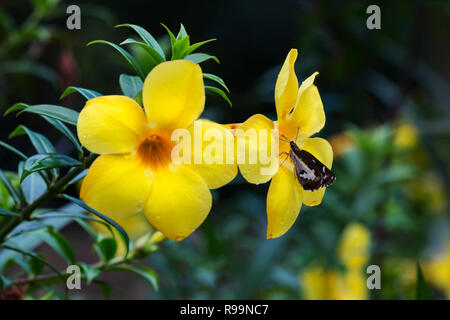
(61, 127)
(422, 290)
(4, 212)
(154, 55)
(149, 274)
(58, 243)
(40, 162)
(33, 186)
(56, 112)
(17, 106)
(104, 287)
(89, 272)
(12, 191)
(130, 85)
(36, 266)
(182, 33)
(200, 57)
(40, 143)
(12, 149)
(217, 79)
(78, 177)
(147, 37)
(171, 35)
(5, 282)
(123, 234)
(197, 45)
(48, 295)
(128, 57)
(219, 92)
(37, 257)
(87, 93)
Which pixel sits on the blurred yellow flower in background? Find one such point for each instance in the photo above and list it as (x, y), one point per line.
(341, 143)
(320, 283)
(437, 271)
(405, 135)
(135, 172)
(300, 115)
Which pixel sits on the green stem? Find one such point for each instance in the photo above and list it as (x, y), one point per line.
(53, 190)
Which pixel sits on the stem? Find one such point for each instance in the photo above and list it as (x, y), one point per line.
(50, 193)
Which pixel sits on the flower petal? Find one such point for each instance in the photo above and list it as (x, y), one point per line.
(174, 94)
(179, 201)
(217, 165)
(111, 124)
(308, 113)
(116, 185)
(284, 201)
(322, 150)
(286, 88)
(257, 150)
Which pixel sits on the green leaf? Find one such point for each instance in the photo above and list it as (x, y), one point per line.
(197, 45)
(147, 37)
(39, 142)
(200, 57)
(33, 186)
(78, 177)
(179, 48)
(219, 92)
(130, 85)
(90, 272)
(61, 127)
(58, 243)
(36, 266)
(56, 112)
(217, 79)
(31, 68)
(154, 55)
(182, 33)
(123, 234)
(87, 93)
(18, 198)
(40, 162)
(5, 282)
(12, 149)
(144, 271)
(107, 247)
(104, 287)
(4, 212)
(17, 106)
(48, 295)
(61, 214)
(422, 290)
(128, 57)
(37, 257)
(171, 35)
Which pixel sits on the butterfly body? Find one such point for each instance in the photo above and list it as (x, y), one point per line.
(310, 172)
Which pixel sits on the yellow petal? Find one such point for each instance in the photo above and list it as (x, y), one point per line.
(308, 113)
(174, 94)
(284, 201)
(257, 150)
(179, 201)
(354, 246)
(322, 150)
(286, 87)
(111, 124)
(116, 185)
(216, 153)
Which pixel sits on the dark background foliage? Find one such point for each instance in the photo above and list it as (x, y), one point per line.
(368, 78)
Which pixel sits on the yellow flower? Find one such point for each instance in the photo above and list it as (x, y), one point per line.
(354, 245)
(300, 115)
(405, 136)
(438, 271)
(320, 284)
(341, 143)
(135, 171)
(350, 284)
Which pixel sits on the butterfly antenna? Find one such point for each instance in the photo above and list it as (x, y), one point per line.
(296, 136)
(285, 139)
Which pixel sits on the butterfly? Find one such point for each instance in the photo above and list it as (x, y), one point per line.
(310, 172)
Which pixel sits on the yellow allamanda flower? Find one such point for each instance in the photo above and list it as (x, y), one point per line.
(135, 172)
(300, 115)
(353, 251)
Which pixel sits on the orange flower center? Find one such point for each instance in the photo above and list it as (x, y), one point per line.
(155, 150)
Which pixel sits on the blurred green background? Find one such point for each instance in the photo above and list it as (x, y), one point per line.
(386, 97)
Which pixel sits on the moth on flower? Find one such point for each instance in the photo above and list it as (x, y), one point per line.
(302, 172)
(135, 172)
